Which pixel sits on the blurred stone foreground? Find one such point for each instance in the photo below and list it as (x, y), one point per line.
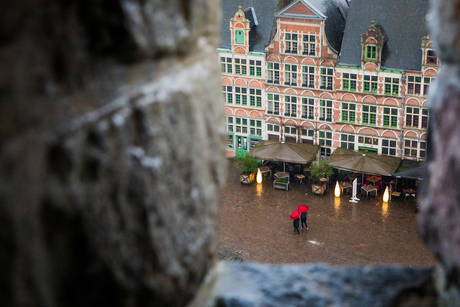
(112, 163)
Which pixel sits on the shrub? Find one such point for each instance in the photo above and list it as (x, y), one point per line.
(246, 164)
(319, 169)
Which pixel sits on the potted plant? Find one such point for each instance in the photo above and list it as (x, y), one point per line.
(248, 167)
(319, 169)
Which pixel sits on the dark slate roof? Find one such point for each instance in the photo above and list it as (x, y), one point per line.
(260, 34)
(335, 12)
(402, 21)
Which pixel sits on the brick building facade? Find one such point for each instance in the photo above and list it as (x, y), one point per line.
(334, 74)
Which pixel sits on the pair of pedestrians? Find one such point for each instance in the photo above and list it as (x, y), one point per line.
(300, 217)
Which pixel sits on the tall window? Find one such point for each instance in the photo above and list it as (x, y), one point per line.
(348, 112)
(308, 132)
(392, 86)
(273, 73)
(426, 85)
(390, 117)
(326, 78)
(290, 74)
(369, 115)
(370, 84)
(239, 37)
(349, 81)
(241, 96)
(325, 110)
(240, 67)
(230, 127)
(290, 106)
(273, 104)
(389, 147)
(226, 65)
(308, 108)
(414, 85)
(255, 97)
(416, 117)
(291, 43)
(241, 125)
(371, 52)
(347, 141)
(325, 141)
(431, 57)
(415, 149)
(228, 94)
(308, 76)
(255, 68)
(308, 42)
(230, 141)
(255, 127)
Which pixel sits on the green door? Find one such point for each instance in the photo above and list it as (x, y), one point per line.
(242, 147)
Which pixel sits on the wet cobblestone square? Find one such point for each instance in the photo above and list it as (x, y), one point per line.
(255, 221)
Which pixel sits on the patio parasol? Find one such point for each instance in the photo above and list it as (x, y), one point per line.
(363, 162)
(299, 153)
(295, 215)
(302, 208)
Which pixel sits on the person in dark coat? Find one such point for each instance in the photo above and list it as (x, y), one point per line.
(303, 218)
(296, 225)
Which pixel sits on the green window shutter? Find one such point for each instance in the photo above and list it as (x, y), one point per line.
(239, 37)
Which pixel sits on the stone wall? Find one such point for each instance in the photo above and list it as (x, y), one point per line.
(111, 151)
(440, 209)
(112, 162)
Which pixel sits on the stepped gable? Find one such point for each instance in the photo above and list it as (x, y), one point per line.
(334, 12)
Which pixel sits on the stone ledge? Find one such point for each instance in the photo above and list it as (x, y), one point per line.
(315, 285)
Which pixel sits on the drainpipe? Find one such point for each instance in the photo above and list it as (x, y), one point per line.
(403, 79)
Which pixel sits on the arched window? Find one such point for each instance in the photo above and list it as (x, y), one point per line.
(239, 37)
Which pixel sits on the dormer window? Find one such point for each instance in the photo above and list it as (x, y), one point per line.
(371, 53)
(239, 37)
(431, 58)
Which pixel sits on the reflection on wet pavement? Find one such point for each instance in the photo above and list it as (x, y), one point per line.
(255, 220)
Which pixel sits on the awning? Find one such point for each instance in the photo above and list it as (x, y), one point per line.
(299, 153)
(364, 162)
(411, 170)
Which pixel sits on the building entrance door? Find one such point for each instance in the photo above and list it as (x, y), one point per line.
(242, 147)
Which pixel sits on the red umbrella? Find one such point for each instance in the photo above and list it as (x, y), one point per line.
(302, 208)
(295, 215)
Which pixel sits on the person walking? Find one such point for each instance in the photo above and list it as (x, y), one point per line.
(296, 225)
(303, 218)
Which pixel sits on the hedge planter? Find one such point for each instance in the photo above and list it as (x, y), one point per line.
(281, 184)
(247, 179)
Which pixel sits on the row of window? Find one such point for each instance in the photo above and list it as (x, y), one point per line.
(304, 44)
(244, 125)
(415, 86)
(241, 67)
(412, 148)
(242, 96)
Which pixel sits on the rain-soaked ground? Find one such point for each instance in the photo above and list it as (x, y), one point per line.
(255, 224)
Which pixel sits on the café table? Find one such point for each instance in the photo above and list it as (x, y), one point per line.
(344, 186)
(374, 179)
(369, 188)
(265, 170)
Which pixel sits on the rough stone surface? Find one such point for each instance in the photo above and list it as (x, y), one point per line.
(318, 285)
(111, 151)
(440, 206)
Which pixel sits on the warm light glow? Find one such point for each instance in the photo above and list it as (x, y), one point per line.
(337, 204)
(259, 189)
(337, 190)
(259, 176)
(386, 195)
(385, 209)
